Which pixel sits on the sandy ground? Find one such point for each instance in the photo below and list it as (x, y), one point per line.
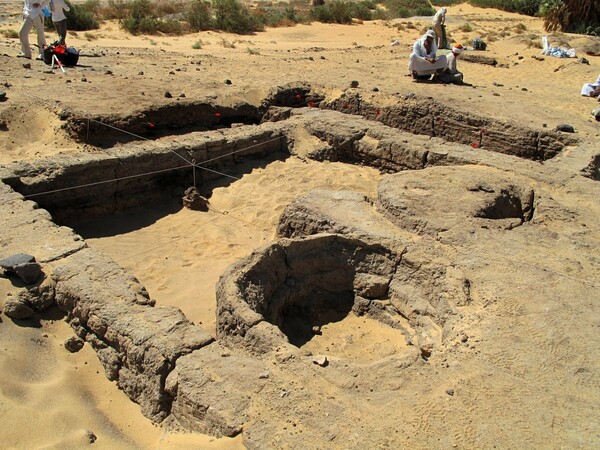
(50, 398)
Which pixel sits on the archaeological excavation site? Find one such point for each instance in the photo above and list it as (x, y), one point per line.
(445, 251)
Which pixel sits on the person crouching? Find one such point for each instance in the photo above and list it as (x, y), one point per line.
(423, 61)
(451, 74)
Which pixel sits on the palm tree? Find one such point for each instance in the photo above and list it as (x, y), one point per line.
(571, 15)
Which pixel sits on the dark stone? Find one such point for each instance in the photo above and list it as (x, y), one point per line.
(15, 260)
(74, 344)
(227, 81)
(27, 66)
(450, 392)
(141, 73)
(24, 266)
(168, 95)
(565, 128)
(584, 61)
(17, 310)
(375, 89)
(2, 96)
(30, 273)
(354, 84)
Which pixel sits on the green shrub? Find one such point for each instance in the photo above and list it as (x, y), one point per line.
(116, 9)
(11, 34)
(362, 10)
(80, 17)
(408, 8)
(233, 17)
(337, 11)
(199, 15)
(141, 19)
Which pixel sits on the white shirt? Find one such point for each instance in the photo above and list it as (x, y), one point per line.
(29, 11)
(58, 7)
(440, 17)
(420, 51)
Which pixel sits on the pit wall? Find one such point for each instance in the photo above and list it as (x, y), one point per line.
(172, 368)
(253, 294)
(184, 116)
(426, 116)
(115, 179)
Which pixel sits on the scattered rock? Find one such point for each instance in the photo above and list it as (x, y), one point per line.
(228, 81)
(40, 297)
(74, 344)
(91, 437)
(497, 84)
(565, 128)
(375, 89)
(596, 114)
(140, 72)
(450, 392)
(182, 95)
(83, 79)
(48, 71)
(26, 65)
(2, 96)
(171, 73)
(584, 61)
(168, 95)
(317, 330)
(23, 266)
(263, 375)
(194, 201)
(108, 72)
(354, 84)
(321, 361)
(18, 310)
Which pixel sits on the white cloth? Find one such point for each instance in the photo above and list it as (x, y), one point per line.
(418, 62)
(589, 87)
(31, 11)
(58, 8)
(440, 17)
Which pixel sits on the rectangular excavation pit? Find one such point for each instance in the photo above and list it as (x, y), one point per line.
(425, 116)
(157, 122)
(99, 183)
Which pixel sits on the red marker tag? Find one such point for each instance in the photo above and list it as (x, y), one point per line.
(298, 97)
(217, 114)
(311, 104)
(151, 124)
(474, 144)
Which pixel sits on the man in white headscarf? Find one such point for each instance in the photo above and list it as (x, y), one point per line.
(423, 61)
(32, 17)
(438, 23)
(451, 73)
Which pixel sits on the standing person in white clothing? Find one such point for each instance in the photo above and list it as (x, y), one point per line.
(32, 17)
(58, 8)
(438, 23)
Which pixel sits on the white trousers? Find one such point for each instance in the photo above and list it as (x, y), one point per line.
(28, 24)
(423, 67)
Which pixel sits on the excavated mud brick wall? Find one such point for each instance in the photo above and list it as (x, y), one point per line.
(428, 117)
(117, 179)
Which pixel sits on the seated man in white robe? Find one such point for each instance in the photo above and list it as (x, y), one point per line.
(423, 62)
(591, 89)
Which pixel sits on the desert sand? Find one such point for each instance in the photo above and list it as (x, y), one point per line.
(50, 398)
